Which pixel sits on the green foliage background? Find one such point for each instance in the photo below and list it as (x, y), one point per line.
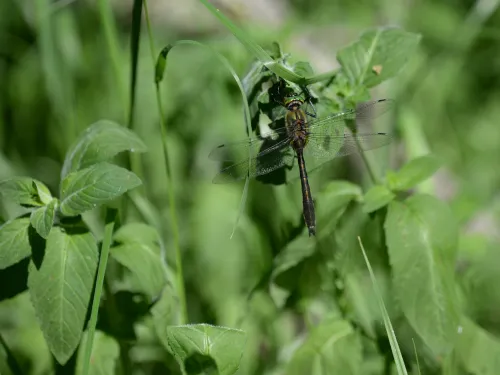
(64, 66)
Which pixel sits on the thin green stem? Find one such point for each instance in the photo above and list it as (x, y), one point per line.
(101, 271)
(369, 167)
(171, 196)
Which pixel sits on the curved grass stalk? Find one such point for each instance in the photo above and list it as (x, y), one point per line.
(160, 66)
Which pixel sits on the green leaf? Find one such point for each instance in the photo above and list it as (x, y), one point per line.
(377, 56)
(25, 191)
(100, 142)
(416, 171)
(202, 348)
(14, 242)
(333, 347)
(98, 184)
(42, 218)
(377, 197)
(284, 276)
(43, 192)
(146, 265)
(421, 236)
(105, 353)
(60, 284)
(331, 203)
(137, 233)
(294, 253)
(477, 349)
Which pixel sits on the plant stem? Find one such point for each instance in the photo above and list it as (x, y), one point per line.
(373, 175)
(171, 195)
(101, 271)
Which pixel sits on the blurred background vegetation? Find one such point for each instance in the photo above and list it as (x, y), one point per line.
(59, 74)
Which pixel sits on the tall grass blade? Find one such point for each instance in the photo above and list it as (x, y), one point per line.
(396, 352)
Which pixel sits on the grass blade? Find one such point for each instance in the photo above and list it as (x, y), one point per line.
(396, 353)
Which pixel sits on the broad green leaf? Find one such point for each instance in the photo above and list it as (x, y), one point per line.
(477, 349)
(24, 191)
(137, 233)
(101, 183)
(333, 347)
(105, 353)
(331, 203)
(145, 264)
(411, 174)
(42, 218)
(202, 348)
(377, 197)
(421, 236)
(14, 242)
(377, 56)
(60, 283)
(100, 142)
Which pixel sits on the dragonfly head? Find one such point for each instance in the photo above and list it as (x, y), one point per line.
(293, 101)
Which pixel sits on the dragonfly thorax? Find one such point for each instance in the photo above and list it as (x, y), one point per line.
(296, 123)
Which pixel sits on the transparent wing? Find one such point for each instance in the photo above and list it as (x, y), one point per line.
(257, 146)
(363, 113)
(263, 164)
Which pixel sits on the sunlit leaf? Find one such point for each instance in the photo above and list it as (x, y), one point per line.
(14, 241)
(101, 183)
(377, 197)
(422, 241)
(42, 218)
(104, 357)
(377, 56)
(333, 347)
(202, 348)
(60, 283)
(411, 174)
(24, 191)
(100, 142)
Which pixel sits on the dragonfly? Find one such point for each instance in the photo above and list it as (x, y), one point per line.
(304, 137)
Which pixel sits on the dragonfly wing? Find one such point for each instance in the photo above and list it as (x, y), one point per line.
(323, 148)
(257, 166)
(363, 114)
(250, 146)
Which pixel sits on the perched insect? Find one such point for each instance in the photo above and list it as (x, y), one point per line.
(321, 139)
